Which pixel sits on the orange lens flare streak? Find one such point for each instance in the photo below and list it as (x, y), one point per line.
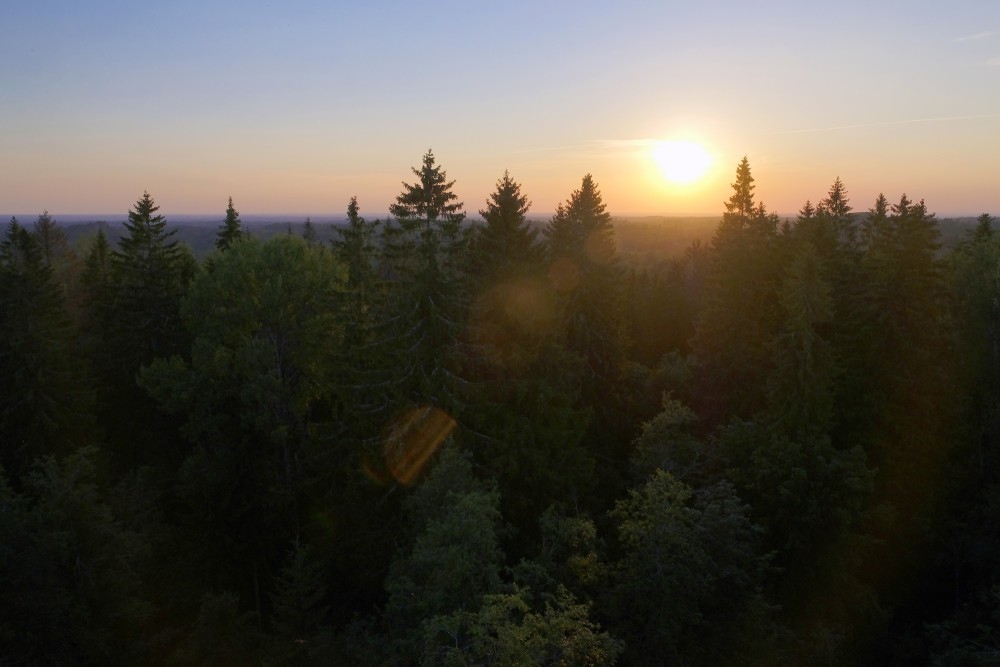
(413, 439)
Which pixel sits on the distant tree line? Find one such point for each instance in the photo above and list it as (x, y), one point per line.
(439, 442)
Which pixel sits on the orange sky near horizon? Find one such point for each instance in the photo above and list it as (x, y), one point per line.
(260, 103)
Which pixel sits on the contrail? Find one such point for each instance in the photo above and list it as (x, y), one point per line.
(887, 123)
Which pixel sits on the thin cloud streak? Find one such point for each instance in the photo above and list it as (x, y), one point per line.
(975, 38)
(549, 149)
(600, 144)
(887, 123)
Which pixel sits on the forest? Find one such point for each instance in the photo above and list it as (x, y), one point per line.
(433, 441)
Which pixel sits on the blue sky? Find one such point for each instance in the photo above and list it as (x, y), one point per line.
(293, 107)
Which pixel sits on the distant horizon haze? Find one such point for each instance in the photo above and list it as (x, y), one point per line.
(257, 101)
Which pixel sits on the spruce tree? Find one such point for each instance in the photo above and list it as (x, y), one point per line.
(355, 249)
(44, 403)
(97, 297)
(52, 240)
(231, 229)
(150, 273)
(506, 240)
(63, 260)
(365, 356)
(740, 310)
(587, 273)
(309, 232)
(506, 273)
(588, 279)
(425, 254)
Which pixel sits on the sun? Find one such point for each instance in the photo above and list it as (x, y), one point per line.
(681, 161)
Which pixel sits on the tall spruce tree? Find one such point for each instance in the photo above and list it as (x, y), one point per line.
(589, 282)
(231, 230)
(740, 311)
(425, 250)
(355, 249)
(150, 273)
(506, 241)
(365, 357)
(53, 243)
(44, 405)
(587, 273)
(507, 266)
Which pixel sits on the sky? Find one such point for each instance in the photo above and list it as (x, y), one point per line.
(294, 107)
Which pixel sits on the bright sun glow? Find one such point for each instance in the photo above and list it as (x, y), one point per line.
(681, 161)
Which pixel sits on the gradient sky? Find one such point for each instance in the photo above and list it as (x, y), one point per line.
(293, 107)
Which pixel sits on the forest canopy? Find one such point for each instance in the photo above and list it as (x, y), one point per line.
(433, 440)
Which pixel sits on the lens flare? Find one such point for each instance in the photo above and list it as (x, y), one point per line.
(413, 439)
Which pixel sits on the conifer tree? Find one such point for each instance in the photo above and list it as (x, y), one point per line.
(52, 241)
(231, 229)
(506, 274)
(365, 355)
(908, 357)
(57, 254)
(356, 252)
(588, 276)
(837, 208)
(425, 253)
(149, 273)
(309, 231)
(506, 240)
(44, 405)
(801, 386)
(984, 228)
(740, 312)
(97, 295)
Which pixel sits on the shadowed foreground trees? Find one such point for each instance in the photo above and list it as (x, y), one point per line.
(434, 443)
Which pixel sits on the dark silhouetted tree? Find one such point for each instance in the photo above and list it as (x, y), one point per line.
(425, 251)
(231, 230)
(44, 403)
(740, 310)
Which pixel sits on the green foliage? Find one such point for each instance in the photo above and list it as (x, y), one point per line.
(356, 253)
(149, 274)
(800, 389)
(687, 588)
(299, 614)
(262, 323)
(529, 426)
(455, 557)
(250, 399)
(57, 253)
(231, 230)
(831, 495)
(68, 571)
(506, 245)
(425, 251)
(570, 555)
(45, 407)
(666, 443)
(505, 631)
(430, 201)
(740, 308)
(586, 272)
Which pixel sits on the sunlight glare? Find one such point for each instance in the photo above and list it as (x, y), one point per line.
(681, 161)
